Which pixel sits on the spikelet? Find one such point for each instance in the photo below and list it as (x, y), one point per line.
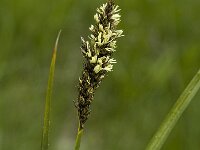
(98, 56)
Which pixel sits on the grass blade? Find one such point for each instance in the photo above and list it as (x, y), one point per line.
(171, 119)
(46, 125)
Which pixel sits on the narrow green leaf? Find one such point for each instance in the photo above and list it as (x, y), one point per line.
(46, 125)
(177, 110)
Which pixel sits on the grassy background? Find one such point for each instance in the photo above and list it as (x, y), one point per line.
(156, 59)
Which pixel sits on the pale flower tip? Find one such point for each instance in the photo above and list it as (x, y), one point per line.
(97, 68)
(108, 68)
(91, 28)
(112, 61)
(113, 44)
(83, 51)
(80, 80)
(115, 17)
(99, 37)
(89, 54)
(101, 27)
(119, 33)
(82, 39)
(101, 77)
(110, 49)
(92, 37)
(93, 60)
(96, 18)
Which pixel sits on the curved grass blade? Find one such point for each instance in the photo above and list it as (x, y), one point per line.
(177, 110)
(46, 125)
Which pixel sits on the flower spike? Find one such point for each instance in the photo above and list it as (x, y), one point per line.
(98, 56)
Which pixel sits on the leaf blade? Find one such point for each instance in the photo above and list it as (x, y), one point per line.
(47, 109)
(175, 113)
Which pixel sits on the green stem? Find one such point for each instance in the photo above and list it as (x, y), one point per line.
(46, 125)
(171, 119)
(78, 138)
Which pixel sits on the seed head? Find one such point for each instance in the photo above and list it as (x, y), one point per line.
(98, 56)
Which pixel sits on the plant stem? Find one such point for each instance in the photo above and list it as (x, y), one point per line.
(171, 119)
(78, 138)
(46, 125)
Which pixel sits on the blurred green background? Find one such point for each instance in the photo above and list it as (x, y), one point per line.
(157, 58)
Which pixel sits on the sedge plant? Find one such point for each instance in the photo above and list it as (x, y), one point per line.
(97, 52)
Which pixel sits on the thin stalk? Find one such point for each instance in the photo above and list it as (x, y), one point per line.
(175, 113)
(46, 124)
(78, 138)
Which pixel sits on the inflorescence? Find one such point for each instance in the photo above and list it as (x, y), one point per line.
(98, 56)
